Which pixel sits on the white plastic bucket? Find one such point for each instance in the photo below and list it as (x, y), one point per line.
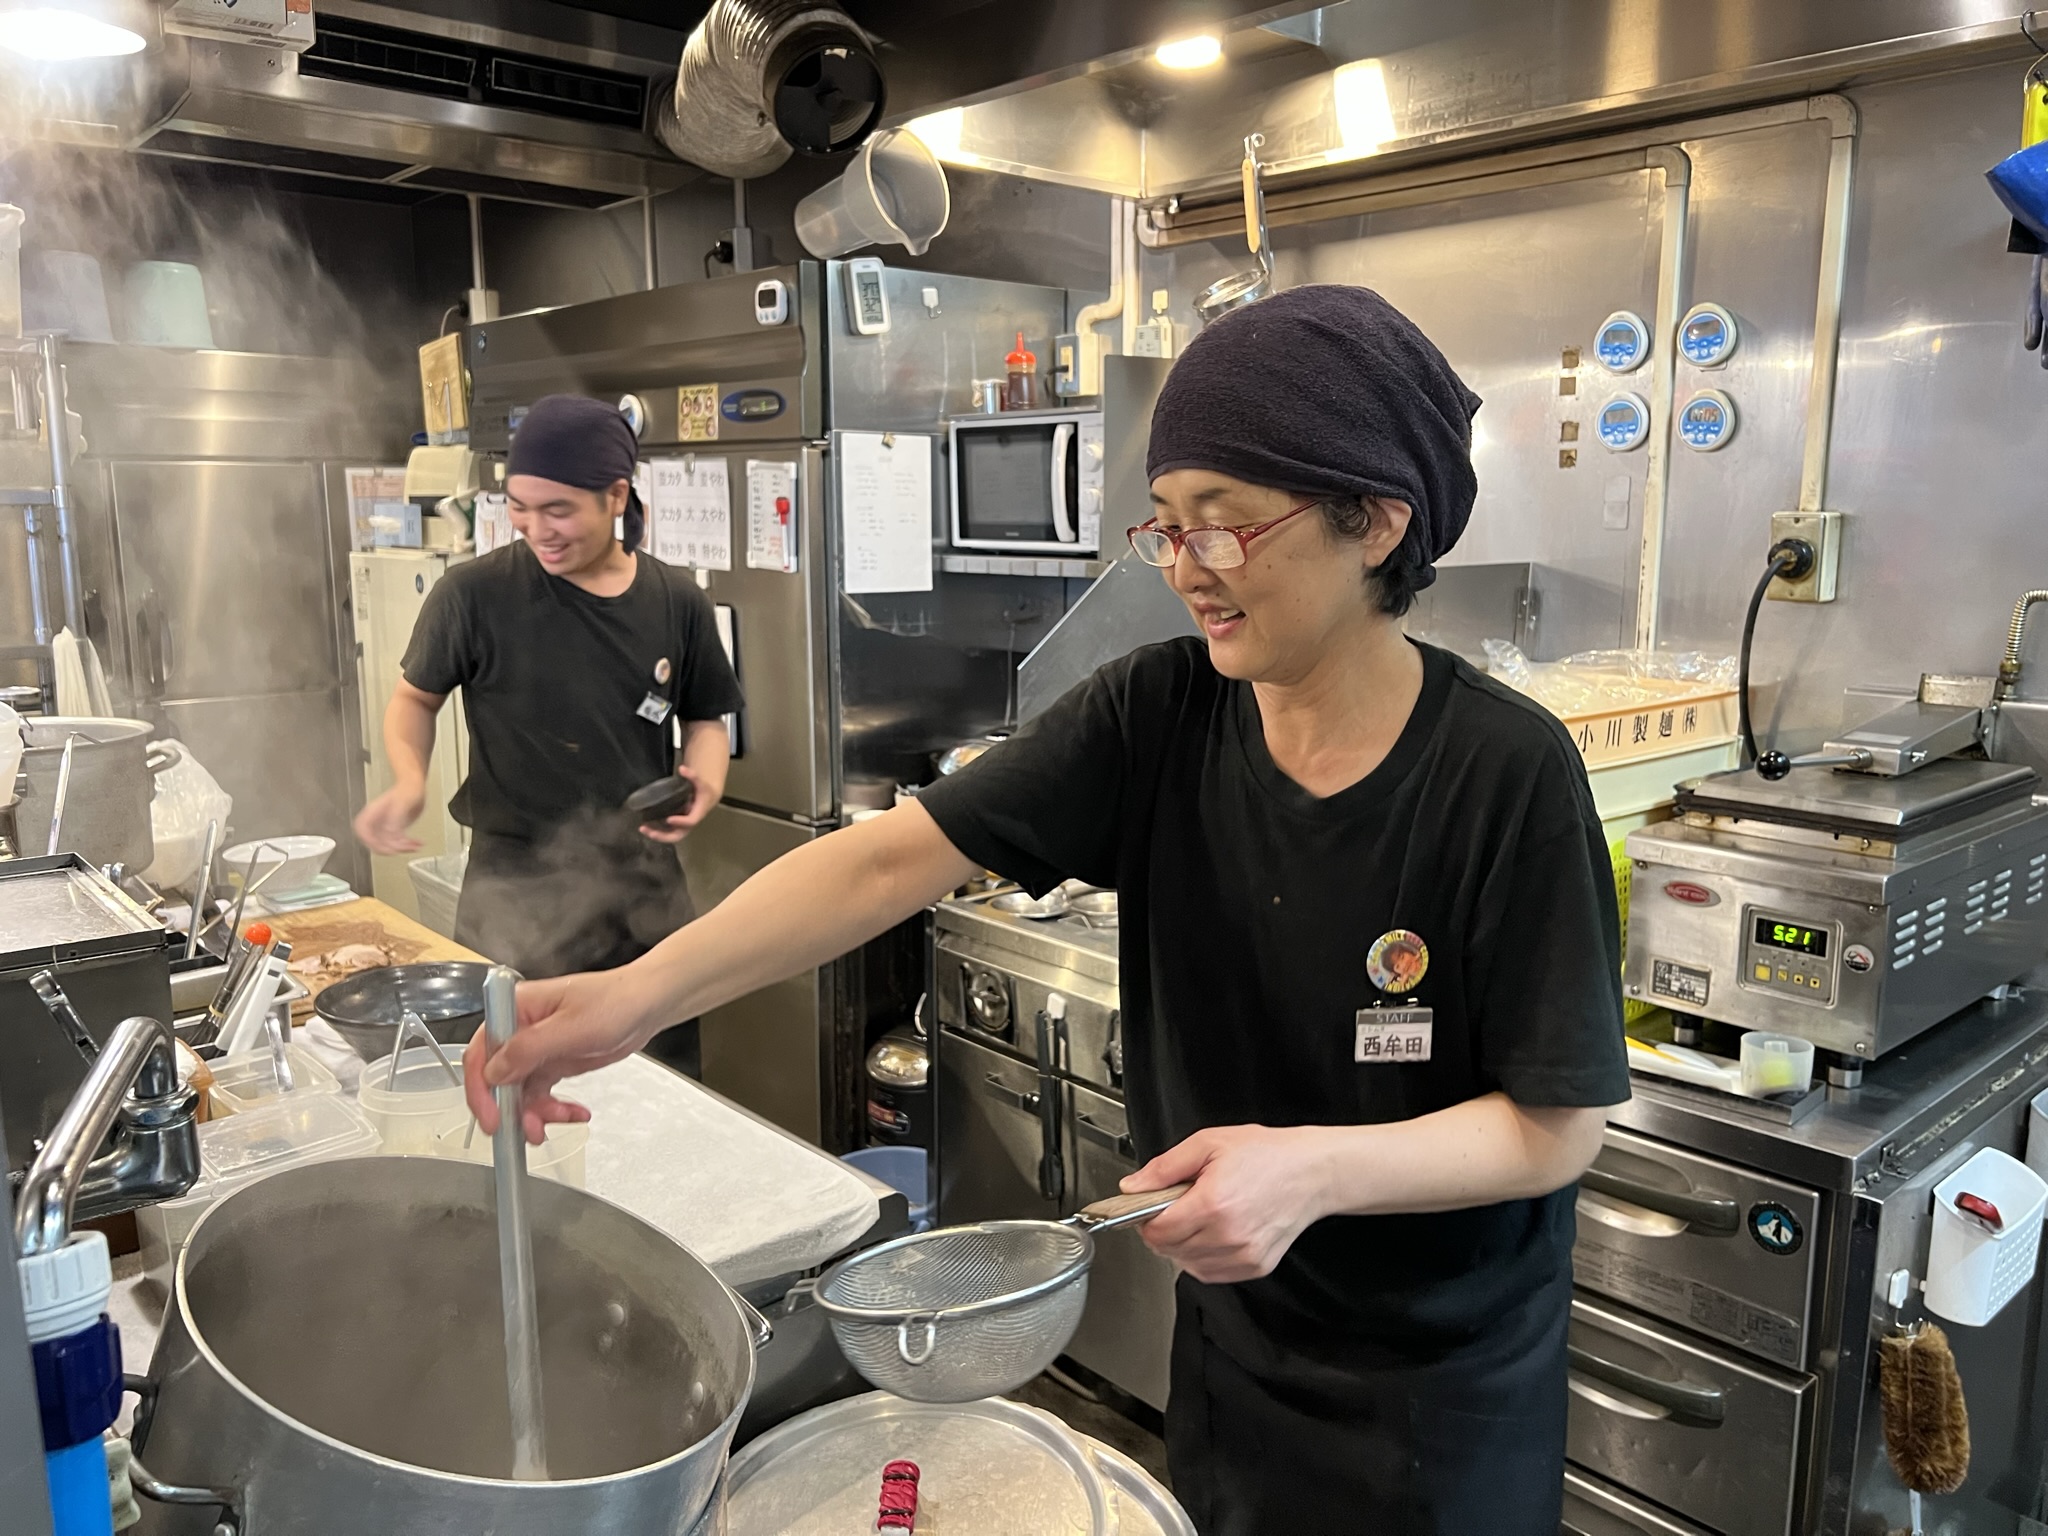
(894, 193)
(166, 305)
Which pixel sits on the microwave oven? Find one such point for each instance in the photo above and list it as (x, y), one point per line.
(1028, 482)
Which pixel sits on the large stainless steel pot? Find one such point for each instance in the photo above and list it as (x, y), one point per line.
(113, 779)
(333, 1355)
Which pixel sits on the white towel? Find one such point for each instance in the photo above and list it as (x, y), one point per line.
(81, 682)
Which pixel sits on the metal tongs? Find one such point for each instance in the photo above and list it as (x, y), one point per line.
(1242, 288)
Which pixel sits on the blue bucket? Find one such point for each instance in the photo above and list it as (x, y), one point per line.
(2021, 182)
(904, 1169)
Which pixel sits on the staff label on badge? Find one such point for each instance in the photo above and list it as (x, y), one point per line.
(1394, 1034)
(654, 708)
(1397, 961)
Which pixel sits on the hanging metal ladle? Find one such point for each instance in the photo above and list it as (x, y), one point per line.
(1242, 288)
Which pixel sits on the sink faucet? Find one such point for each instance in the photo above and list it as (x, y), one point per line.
(131, 1092)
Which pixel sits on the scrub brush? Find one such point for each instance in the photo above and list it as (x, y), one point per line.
(1926, 1425)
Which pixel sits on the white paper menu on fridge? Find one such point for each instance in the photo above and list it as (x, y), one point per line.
(771, 515)
(885, 510)
(691, 512)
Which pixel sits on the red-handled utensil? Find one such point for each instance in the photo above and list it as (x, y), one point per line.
(1981, 1210)
(899, 1497)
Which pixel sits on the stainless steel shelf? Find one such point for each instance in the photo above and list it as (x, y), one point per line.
(1022, 565)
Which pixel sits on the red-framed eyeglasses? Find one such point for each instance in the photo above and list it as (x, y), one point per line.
(1219, 549)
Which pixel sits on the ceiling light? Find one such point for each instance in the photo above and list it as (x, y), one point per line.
(61, 30)
(940, 131)
(1197, 52)
(1365, 112)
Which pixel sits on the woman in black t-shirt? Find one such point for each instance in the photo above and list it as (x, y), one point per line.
(1370, 956)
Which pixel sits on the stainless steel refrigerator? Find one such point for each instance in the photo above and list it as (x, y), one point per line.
(846, 696)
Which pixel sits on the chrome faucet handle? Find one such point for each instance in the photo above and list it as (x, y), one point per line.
(53, 997)
(132, 1094)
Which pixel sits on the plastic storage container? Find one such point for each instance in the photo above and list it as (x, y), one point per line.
(63, 291)
(1775, 1064)
(560, 1157)
(1972, 1271)
(410, 1112)
(10, 269)
(437, 887)
(241, 1083)
(301, 1128)
(2037, 1134)
(166, 305)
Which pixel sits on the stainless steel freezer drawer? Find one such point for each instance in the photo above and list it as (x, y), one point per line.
(1126, 1334)
(1712, 1247)
(1699, 1430)
(1594, 1508)
(991, 1138)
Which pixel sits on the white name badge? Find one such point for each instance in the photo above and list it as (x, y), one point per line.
(654, 708)
(1394, 1034)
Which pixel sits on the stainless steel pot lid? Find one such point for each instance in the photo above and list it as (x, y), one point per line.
(993, 1468)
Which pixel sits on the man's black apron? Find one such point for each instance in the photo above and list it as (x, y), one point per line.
(596, 895)
(1263, 1438)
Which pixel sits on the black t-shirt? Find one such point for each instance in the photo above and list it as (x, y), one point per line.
(1249, 914)
(552, 680)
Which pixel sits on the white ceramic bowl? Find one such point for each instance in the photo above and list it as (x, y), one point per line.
(303, 857)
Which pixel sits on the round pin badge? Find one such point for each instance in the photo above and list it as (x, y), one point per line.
(662, 670)
(1397, 961)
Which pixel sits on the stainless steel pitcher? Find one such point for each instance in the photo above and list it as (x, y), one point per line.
(333, 1358)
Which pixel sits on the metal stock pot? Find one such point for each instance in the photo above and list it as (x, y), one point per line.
(113, 779)
(332, 1363)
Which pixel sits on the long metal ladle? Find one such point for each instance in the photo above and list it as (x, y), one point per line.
(515, 1245)
(1242, 288)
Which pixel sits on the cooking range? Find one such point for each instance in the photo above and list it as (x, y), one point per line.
(1031, 1107)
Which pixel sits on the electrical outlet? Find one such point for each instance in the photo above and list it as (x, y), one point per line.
(1823, 530)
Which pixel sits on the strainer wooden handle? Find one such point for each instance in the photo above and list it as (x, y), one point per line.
(1124, 1210)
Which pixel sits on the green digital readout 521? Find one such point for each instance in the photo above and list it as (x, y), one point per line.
(1797, 937)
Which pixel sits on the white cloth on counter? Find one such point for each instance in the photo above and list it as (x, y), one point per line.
(747, 1199)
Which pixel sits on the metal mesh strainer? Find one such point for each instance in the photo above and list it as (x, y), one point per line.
(968, 1312)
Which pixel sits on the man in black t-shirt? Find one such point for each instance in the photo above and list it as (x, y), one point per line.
(1370, 976)
(581, 658)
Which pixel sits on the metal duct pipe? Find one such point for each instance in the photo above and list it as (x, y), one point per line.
(762, 77)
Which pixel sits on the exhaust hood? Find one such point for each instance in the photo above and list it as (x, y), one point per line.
(516, 99)
(549, 101)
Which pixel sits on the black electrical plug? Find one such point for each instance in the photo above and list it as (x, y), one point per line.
(1792, 559)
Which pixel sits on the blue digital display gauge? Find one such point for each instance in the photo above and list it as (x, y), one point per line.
(1706, 421)
(1707, 336)
(1623, 344)
(1624, 422)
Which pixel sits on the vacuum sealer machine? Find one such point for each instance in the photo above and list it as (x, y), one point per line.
(1853, 898)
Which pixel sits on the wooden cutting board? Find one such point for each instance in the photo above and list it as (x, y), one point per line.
(365, 924)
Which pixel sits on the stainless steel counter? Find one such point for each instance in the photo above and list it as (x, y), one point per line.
(1983, 1059)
